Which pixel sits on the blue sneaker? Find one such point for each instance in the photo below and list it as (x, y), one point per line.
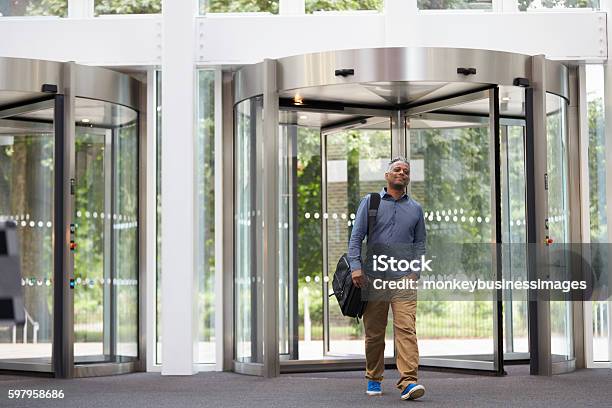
(374, 388)
(412, 392)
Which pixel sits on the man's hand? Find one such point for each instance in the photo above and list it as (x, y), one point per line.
(359, 278)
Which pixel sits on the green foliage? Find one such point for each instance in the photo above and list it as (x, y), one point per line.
(47, 8)
(343, 5)
(239, 6)
(127, 6)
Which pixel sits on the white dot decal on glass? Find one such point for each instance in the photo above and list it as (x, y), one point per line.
(307, 279)
(443, 212)
(325, 215)
(430, 217)
(23, 223)
(472, 219)
(438, 218)
(286, 225)
(307, 215)
(478, 219)
(48, 282)
(102, 215)
(87, 214)
(446, 218)
(455, 211)
(454, 218)
(343, 216)
(437, 213)
(352, 216)
(95, 214)
(316, 215)
(317, 279)
(487, 219)
(39, 282)
(28, 217)
(32, 224)
(40, 224)
(114, 216)
(461, 211)
(348, 223)
(78, 280)
(463, 218)
(334, 216)
(326, 279)
(79, 213)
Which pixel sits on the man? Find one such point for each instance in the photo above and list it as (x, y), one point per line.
(399, 222)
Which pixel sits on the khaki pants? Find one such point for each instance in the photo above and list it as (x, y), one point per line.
(404, 322)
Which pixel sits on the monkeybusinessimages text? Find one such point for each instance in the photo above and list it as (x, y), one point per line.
(384, 263)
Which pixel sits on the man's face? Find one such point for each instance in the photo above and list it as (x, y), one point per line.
(399, 175)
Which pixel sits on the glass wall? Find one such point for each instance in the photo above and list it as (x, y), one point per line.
(597, 202)
(205, 207)
(27, 163)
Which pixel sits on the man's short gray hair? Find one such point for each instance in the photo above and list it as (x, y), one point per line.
(396, 160)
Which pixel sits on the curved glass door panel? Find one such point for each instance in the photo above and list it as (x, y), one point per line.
(558, 215)
(27, 163)
(248, 290)
(106, 218)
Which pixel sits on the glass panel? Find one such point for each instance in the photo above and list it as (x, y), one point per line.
(454, 4)
(238, 6)
(356, 163)
(597, 201)
(206, 215)
(524, 5)
(514, 237)
(27, 183)
(558, 216)
(106, 218)
(343, 5)
(451, 178)
(248, 280)
(9, 8)
(310, 249)
(125, 231)
(158, 135)
(127, 7)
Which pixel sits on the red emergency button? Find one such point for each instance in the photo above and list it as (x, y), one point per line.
(73, 245)
(549, 241)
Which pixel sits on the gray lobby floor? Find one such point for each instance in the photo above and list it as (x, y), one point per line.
(333, 389)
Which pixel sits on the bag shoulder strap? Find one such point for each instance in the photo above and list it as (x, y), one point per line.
(373, 210)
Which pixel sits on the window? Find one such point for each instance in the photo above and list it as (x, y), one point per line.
(525, 5)
(238, 6)
(343, 5)
(127, 7)
(454, 4)
(14, 8)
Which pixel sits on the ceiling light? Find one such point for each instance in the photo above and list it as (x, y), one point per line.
(303, 117)
(505, 98)
(85, 120)
(297, 100)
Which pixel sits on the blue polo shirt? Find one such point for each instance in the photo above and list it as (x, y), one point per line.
(399, 223)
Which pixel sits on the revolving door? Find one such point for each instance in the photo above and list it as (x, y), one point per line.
(313, 134)
(69, 182)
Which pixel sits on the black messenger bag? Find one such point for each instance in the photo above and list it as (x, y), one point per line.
(347, 294)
